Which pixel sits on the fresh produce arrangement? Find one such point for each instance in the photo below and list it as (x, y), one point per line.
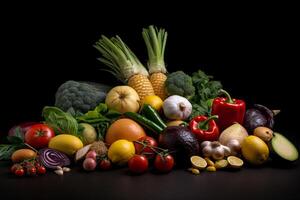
(154, 120)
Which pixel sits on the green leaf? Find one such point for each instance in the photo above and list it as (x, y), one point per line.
(6, 150)
(14, 139)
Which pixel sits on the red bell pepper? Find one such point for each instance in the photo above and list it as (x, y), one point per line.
(205, 128)
(229, 110)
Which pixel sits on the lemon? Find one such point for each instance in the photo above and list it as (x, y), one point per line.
(255, 150)
(153, 100)
(66, 143)
(198, 162)
(235, 162)
(121, 151)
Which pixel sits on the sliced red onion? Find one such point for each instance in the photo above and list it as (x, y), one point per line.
(51, 158)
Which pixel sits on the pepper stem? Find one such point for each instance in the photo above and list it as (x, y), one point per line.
(204, 124)
(228, 97)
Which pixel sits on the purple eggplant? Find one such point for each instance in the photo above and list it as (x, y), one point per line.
(258, 115)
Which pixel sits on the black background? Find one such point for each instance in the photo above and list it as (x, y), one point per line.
(251, 50)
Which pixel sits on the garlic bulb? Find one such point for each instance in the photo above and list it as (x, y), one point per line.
(177, 107)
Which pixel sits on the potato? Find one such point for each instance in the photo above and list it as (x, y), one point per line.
(22, 154)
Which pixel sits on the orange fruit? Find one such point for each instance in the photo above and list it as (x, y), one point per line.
(153, 100)
(124, 129)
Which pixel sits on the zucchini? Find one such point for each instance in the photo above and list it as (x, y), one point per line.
(144, 122)
(150, 113)
(282, 148)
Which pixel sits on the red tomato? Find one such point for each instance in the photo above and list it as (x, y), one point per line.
(39, 135)
(41, 170)
(19, 172)
(31, 171)
(138, 164)
(105, 164)
(164, 163)
(143, 148)
(15, 167)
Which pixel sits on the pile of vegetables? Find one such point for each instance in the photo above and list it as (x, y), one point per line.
(154, 118)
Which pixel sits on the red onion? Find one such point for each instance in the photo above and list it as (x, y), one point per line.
(23, 127)
(51, 158)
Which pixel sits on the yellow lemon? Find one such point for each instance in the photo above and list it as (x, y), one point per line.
(66, 143)
(153, 100)
(255, 150)
(121, 151)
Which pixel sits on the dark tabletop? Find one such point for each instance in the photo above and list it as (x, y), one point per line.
(267, 182)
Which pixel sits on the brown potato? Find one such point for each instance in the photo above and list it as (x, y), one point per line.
(22, 154)
(263, 133)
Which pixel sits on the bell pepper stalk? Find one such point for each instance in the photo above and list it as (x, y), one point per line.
(229, 110)
(205, 128)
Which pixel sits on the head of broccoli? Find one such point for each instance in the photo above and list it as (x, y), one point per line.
(179, 83)
(79, 97)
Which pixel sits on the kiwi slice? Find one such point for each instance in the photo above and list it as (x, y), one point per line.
(283, 148)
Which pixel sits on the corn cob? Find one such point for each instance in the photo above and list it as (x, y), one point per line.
(155, 42)
(141, 84)
(124, 65)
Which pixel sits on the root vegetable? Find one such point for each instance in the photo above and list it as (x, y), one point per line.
(80, 154)
(218, 153)
(263, 133)
(99, 147)
(89, 164)
(207, 151)
(91, 154)
(22, 154)
(234, 146)
(233, 132)
(215, 150)
(177, 107)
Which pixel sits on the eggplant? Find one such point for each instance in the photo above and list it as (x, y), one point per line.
(258, 115)
(181, 143)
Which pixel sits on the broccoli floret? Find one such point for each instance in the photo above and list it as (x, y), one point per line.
(80, 97)
(179, 83)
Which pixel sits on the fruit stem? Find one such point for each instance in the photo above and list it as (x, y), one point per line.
(31, 147)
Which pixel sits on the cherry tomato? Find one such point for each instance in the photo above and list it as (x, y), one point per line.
(138, 164)
(164, 163)
(39, 135)
(105, 164)
(15, 167)
(19, 172)
(31, 171)
(143, 149)
(41, 170)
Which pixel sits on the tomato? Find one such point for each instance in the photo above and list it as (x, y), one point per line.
(15, 167)
(105, 164)
(31, 171)
(19, 172)
(164, 163)
(39, 135)
(41, 170)
(142, 148)
(138, 164)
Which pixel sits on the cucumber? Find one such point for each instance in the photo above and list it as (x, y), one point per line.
(144, 122)
(283, 148)
(151, 114)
